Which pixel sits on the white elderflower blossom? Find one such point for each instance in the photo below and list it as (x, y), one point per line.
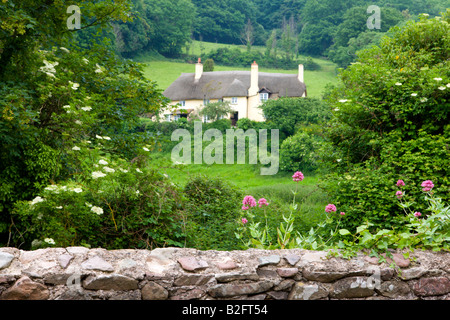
(106, 138)
(145, 149)
(74, 85)
(437, 79)
(86, 108)
(138, 170)
(442, 88)
(49, 240)
(65, 49)
(85, 60)
(76, 148)
(88, 204)
(343, 100)
(98, 137)
(78, 122)
(108, 169)
(49, 67)
(59, 208)
(423, 99)
(413, 94)
(99, 69)
(448, 85)
(398, 84)
(97, 210)
(37, 200)
(98, 174)
(66, 106)
(103, 162)
(77, 190)
(123, 170)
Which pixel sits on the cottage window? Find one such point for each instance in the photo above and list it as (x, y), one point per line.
(234, 100)
(264, 96)
(183, 103)
(168, 117)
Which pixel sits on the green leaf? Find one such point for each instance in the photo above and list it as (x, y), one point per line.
(344, 232)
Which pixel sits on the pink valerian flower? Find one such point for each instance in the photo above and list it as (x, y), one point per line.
(248, 202)
(427, 185)
(399, 194)
(330, 208)
(417, 214)
(244, 221)
(262, 202)
(400, 183)
(342, 213)
(298, 176)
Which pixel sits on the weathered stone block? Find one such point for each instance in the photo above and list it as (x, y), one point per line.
(154, 291)
(110, 282)
(432, 286)
(26, 289)
(302, 291)
(232, 289)
(352, 287)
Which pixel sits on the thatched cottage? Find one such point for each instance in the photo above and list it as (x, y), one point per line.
(245, 90)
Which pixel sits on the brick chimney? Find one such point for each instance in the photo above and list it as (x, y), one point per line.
(254, 87)
(198, 69)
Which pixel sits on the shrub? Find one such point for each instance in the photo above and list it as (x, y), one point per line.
(211, 213)
(299, 152)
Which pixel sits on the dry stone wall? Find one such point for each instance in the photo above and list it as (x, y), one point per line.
(77, 273)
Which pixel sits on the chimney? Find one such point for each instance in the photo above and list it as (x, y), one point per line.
(198, 69)
(254, 87)
(300, 72)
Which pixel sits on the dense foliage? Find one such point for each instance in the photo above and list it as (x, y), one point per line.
(56, 96)
(391, 121)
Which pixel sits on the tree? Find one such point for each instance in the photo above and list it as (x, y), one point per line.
(247, 36)
(216, 110)
(55, 96)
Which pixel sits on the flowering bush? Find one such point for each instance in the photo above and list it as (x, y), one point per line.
(118, 205)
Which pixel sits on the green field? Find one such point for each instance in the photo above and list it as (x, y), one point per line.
(165, 71)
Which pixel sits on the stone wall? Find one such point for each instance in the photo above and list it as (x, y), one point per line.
(78, 273)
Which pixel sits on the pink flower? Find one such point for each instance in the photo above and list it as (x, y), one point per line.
(330, 208)
(244, 221)
(400, 183)
(244, 208)
(249, 201)
(417, 214)
(342, 213)
(262, 202)
(427, 185)
(298, 176)
(399, 194)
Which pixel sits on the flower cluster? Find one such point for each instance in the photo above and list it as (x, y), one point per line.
(427, 185)
(298, 176)
(332, 208)
(262, 202)
(248, 202)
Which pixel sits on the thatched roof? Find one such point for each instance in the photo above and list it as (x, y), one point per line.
(220, 84)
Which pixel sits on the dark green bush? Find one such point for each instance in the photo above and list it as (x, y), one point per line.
(212, 212)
